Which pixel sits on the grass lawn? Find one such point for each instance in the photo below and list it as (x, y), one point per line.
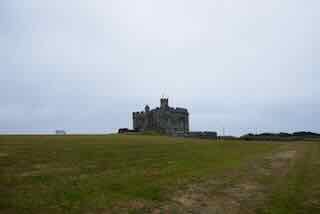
(96, 174)
(298, 189)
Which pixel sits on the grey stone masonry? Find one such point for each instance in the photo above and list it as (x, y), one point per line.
(164, 119)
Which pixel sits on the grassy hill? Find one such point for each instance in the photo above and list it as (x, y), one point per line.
(136, 174)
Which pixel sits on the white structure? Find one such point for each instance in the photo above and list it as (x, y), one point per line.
(60, 132)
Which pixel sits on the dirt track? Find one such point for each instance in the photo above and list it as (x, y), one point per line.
(239, 191)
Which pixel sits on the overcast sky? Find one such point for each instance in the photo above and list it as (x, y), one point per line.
(84, 66)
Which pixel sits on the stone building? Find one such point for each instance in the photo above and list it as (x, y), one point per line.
(164, 119)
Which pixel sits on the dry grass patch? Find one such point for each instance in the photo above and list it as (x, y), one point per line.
(3, 154)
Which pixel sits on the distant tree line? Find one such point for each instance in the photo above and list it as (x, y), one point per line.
(302, 135)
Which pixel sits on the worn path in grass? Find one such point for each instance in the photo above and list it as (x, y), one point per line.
(286, 181)
(143, 174)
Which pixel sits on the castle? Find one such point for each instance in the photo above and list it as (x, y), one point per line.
(163, 119)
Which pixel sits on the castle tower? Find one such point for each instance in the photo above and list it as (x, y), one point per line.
(165, 119)
(164, 103)
(147, 108)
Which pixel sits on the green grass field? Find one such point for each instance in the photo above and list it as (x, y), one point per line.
(156, 174)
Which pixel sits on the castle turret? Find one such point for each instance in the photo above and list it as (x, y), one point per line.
(164, 103)
(147, 108)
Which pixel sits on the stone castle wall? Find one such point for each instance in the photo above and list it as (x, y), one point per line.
(162, 119)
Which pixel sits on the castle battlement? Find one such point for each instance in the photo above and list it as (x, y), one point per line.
(163, 119)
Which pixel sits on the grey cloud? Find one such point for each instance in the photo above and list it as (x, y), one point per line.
(84, 66)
